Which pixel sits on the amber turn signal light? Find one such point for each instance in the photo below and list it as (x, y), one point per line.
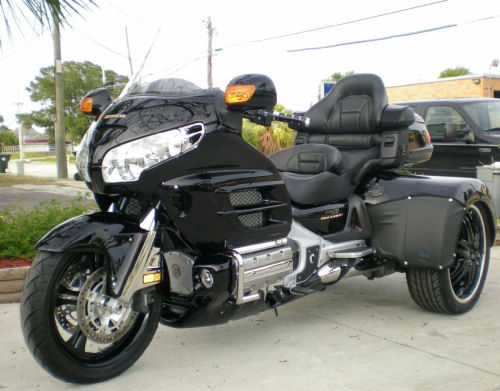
(151, 277)
(239, 93)
(86, 105)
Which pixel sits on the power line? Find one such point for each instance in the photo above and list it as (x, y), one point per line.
(128, 15)
(100, 44)
(374, 39)
(23, 45)
(337, 24)
(392, 36)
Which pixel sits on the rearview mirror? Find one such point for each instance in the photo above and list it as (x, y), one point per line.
(467, 135)
(250, 92)
(450, 132)
(95, 102)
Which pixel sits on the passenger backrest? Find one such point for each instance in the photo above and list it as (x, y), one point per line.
(355, 116)
(353, 106)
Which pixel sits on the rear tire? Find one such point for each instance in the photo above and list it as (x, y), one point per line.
(457, 289)
(73, 327)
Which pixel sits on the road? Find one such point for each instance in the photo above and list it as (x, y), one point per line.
(357, 335)
(29, 195)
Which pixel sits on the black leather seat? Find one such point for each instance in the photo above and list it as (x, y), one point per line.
(342, 142)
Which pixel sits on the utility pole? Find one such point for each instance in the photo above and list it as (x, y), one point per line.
(210, 31)
(20, 133)
(62, 168)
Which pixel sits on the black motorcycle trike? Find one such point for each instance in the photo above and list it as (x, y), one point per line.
(197, 227)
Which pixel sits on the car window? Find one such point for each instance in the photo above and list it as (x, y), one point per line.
(486, 115)
(436, 117)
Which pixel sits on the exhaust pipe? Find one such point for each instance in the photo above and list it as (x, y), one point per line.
(329, 273)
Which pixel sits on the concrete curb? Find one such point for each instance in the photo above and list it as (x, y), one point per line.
(11, 283)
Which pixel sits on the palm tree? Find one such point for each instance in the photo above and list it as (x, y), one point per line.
(44, 12)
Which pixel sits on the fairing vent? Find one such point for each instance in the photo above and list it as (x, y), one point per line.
(242, 198)
(136, 207)
(195, 132)
(248, 199)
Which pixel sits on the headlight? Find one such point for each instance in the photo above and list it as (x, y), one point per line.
(82, 156)
(126, 162)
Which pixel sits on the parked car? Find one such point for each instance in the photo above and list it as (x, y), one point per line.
(465, 133)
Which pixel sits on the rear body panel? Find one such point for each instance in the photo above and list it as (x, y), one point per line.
(416, 219)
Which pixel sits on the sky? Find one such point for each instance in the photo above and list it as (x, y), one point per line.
(180, 48)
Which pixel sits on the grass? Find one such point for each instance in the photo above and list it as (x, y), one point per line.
(10, 180)
(20, 229)
(31, 155)
(44, 157)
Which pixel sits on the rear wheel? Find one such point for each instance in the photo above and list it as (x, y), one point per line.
(74, 327)
(457, 289)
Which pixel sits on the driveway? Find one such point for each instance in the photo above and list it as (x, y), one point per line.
(358, 335)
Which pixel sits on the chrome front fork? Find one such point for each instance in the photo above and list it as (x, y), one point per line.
(147, 270)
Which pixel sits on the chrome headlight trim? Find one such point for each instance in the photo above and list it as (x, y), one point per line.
(126, 162)
(82, 155)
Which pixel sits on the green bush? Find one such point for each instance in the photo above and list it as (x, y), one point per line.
(20, 229)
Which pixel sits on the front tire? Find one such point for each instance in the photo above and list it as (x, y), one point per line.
(457, 289)
(73, 327)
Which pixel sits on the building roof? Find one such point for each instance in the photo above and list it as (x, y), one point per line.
(450, 100)
(445, 79)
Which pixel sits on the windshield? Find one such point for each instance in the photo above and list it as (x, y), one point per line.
(486, 114)
(154, 84)
(154, 76)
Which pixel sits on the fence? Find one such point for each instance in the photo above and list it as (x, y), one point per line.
(34, 148)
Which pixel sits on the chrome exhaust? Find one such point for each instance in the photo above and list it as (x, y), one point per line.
(329, 273)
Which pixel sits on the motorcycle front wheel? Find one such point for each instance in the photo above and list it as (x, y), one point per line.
(73, 327)
(457, 289)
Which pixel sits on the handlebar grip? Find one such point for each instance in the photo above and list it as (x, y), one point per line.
(295, 121)
(262, 117)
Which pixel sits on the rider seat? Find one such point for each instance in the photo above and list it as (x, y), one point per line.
(352, 131)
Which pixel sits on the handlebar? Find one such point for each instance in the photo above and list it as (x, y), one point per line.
(262, 117)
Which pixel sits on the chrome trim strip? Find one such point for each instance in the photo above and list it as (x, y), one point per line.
(257, 272)
(351, 253)
(238, 293)
(260, 246)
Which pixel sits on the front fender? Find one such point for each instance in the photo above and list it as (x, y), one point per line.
(108, 233)
(95, 229)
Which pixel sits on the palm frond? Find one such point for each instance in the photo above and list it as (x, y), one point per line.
(43, 11)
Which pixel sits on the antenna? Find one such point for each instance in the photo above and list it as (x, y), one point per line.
(210, 31)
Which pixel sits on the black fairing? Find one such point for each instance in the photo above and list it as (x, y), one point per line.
(196, 186)
(417, 219)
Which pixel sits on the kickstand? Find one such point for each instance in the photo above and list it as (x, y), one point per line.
(276, 311)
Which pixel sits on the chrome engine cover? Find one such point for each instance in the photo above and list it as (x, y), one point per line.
(260, 267)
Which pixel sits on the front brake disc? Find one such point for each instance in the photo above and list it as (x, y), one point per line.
(102, 318)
